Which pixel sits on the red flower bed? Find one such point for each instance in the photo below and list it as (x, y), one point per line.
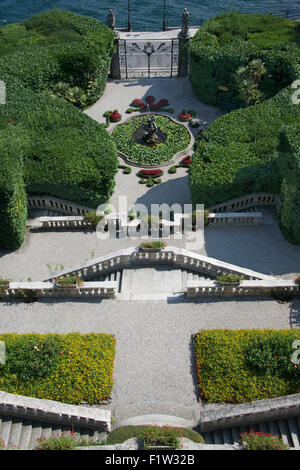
(138, 104)
(184, 117)
(187, 160)
(150, 100)
(115, 116)
(154, 173)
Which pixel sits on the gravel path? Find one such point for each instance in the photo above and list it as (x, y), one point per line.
(154, 367)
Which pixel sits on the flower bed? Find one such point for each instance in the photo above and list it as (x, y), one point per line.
(72, 368)
(155, 436)
(229, 279)
(187, 161)
(93, 218)
(150, 100)
(225, 374)
(178, 139)
(262, 441)
(184, 116)
(121, 434)
(154, 173)
(115, 116)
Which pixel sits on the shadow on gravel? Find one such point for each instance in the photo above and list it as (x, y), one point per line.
(175, 191)
(193, 367)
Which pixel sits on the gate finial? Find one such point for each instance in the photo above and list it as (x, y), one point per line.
(185, 22)
(111, 20)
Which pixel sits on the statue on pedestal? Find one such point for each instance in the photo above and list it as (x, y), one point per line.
(185, 23)
(111, 20)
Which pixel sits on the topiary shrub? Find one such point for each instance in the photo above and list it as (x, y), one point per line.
(231, 40)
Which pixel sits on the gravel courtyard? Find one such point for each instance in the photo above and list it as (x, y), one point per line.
(154, 366)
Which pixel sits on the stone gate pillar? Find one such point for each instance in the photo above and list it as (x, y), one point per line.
(183, 64)
(115, 71)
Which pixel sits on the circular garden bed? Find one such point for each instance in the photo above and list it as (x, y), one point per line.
(176, 139)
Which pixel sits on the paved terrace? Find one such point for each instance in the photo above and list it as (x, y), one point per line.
(154, 366)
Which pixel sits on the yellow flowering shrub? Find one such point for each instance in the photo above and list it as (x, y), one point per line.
(223, 373)
(84, 372)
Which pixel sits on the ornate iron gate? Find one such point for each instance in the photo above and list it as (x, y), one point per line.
(144, 58)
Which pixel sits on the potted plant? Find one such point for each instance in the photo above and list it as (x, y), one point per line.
(155, 246)
(4, 285)
(297, 280)
(229, 279)
(92, 218)
(70, 280)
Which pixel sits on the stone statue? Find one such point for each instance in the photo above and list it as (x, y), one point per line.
(150, 136)
(111, 20)
(185, 22)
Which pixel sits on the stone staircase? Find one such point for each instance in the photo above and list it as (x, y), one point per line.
(22, 433)
(156, 283)
(288, 429)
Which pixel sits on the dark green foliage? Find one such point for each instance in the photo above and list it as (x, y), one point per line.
(231, 40)
(67, 154)
(238, 153)
(32, 358)
(13, 201)
(121, 434)
(290, 189)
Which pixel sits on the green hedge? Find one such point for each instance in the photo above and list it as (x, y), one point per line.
(290, 189)
(238, 153)
(230, 40)
(121, 434)
(68, 155)
(13, 201)
(77, 368)
(224, 373)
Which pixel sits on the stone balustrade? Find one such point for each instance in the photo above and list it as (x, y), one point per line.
(235, 218)
(245, 288)
(105, 289)
(52, 203)
(172, 256)
(130, 227)
(250, 413)
(244, 202)
(64, 223)
(54, 412)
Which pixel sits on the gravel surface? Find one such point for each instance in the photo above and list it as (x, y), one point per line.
(154, 367)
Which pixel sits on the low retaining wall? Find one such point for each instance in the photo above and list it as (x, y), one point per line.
(21, 290)
(54, 204)
(54, 412)
(78, 222)
(250, 200)
(250, 413)
(245, 288)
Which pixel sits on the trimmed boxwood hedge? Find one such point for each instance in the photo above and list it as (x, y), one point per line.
(68, 155)
(13, 201)
(225, 376)
(290, 188)
(82, 372)
(230, 40)
(238, 153)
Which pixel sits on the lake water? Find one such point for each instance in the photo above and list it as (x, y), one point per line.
(146, 15)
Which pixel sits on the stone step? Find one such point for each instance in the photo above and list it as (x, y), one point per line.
(24, 433)
(287, 429)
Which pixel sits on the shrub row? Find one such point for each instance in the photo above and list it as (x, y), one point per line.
(238, 153)
(70, 368)
(225, 375)
(67, 154)
(230, 40)
(290, 188)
